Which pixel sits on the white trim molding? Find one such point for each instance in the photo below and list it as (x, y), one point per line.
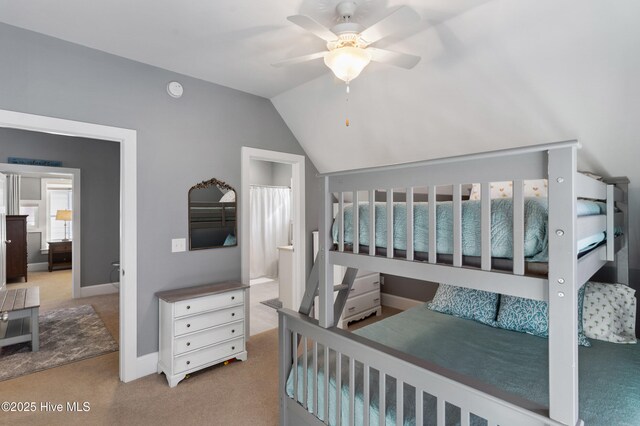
(398, 302)
(147, 364)
(298, 215)
(99, 289)
(38, 267)
(128, 218)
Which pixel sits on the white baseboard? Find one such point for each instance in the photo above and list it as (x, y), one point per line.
(38, 267)
(147, 364)
(398, 302)
(99, 290)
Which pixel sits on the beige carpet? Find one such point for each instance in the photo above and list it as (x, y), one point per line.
(54, 286)
(242, 393)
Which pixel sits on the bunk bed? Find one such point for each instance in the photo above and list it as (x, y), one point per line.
(377, 372)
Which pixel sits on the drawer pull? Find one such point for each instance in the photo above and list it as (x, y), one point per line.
(188, 343)
(188, 307)
(233, 331)
(233, 348)
(188, 362)
(376, 283)
(351, 308)
(233, 314)
(377, 299)
(352, 289)
(188, 325)
(233, 298)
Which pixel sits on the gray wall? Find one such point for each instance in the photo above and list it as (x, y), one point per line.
(180, 142)
(270, 173)
(281, 174)
(99, 164)
(29, 187)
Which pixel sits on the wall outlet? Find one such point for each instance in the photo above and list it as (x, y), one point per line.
(178, 245)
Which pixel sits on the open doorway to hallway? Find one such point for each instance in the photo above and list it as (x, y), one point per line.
(65, 243)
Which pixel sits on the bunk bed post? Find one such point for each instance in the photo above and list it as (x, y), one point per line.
(563, 289)
(285, 364)
(325, 291)
(622, 256)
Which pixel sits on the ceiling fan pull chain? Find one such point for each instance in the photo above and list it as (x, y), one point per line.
(347, 106)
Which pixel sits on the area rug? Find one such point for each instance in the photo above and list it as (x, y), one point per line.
(273, 303)
(66, 335)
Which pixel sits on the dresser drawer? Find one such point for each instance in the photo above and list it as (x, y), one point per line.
(207, 355)
(210, 336)
(365, 284)
(208, 303)
(361, 303)
(208, 319)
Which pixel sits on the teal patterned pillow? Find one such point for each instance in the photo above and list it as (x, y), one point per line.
(478, 305)
(532, 316)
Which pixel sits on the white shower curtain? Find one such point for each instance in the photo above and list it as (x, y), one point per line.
(270, 212)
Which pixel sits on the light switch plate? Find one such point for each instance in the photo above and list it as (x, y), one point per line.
(178, 245)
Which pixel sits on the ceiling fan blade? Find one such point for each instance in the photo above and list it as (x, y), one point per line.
(299, 59)
(314, 27)
(396, 21)
(402, 60)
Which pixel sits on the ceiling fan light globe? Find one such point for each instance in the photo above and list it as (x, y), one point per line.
(347, 62)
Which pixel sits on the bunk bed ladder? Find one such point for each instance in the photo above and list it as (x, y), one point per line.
(313, 284)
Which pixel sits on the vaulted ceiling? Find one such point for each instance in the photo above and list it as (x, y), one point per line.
(494, 73)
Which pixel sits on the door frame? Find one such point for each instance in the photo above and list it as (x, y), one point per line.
(130, 366)
(297, 163)
(66, 173)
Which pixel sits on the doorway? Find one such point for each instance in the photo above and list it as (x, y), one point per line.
(131, 367)
(272, 232)
(47, 206)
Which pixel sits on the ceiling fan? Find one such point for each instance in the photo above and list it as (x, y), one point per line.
(349, 48)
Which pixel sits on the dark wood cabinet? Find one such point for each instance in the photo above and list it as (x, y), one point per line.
(59, 255)
(16, 247)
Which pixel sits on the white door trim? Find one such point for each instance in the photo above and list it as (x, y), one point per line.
(129, 363)
(299, 226)
(75, 213)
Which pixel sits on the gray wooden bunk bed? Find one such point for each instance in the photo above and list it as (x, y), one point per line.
(331, 376)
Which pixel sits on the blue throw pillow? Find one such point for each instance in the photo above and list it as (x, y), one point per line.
(230, 240)
(466, 303)
(532, 316)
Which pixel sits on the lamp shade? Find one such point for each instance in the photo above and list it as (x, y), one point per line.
(347, 62)
(63, 215)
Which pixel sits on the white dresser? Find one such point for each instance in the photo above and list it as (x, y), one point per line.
(364, 298)
(199, 327)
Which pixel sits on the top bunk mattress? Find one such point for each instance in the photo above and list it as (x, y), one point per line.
(536, 243)
(609, 373)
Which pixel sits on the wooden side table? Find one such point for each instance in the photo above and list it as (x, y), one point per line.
(59, 255)
(19, 309)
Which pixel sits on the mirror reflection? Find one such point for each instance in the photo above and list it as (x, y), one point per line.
(212, 215)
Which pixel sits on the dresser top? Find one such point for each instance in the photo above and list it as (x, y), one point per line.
(172, 296)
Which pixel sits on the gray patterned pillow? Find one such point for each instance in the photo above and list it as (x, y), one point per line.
(466, 303)
(532, 316)
(610, 312)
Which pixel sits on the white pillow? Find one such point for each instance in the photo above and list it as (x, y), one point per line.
(609, 312)
(532, 188)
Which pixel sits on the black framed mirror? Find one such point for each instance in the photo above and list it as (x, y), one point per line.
(212, 215)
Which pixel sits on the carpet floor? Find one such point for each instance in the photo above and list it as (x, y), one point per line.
(66, 335)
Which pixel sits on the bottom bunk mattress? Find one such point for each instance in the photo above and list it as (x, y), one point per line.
(505, 360)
